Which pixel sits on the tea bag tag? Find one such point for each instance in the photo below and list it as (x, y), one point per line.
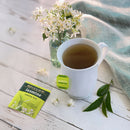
(62, 81)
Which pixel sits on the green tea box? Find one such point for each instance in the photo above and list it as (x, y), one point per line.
(29, 99)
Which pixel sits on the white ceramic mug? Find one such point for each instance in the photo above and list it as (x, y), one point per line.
(81, 81)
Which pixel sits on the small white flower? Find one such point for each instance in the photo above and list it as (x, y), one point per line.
(55, 101)
(15, 102)
(38, 12)
(42, 72)
(24, 110)
(12, 105)
(12, 31)
(70, 103)
(31, 112)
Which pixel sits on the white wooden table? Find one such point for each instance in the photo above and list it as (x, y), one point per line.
(22, 54)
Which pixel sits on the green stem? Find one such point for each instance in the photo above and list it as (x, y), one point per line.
(59, 36)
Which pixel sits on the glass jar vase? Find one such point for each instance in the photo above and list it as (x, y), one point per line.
(53, 52)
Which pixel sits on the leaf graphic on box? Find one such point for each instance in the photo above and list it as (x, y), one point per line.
(20, 102)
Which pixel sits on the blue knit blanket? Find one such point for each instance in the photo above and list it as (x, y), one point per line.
(109, 21)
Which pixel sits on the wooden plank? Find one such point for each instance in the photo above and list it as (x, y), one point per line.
(73, 115)
(27, 33)
(29, 64)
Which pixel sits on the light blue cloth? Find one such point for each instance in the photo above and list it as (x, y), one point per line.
(108, 21)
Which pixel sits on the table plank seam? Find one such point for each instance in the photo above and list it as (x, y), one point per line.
(24, 50)
(63, 120)
(5, 93)
(12, 126)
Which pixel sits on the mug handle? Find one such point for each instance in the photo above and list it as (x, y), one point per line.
(104, 49)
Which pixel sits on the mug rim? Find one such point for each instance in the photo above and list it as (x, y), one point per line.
(75, 41)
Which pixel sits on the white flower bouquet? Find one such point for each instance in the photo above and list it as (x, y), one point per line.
(60, 22)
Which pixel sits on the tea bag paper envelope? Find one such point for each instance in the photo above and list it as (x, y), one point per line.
(98, 24)
(29, 99)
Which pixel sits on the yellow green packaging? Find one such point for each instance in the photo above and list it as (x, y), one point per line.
(62, 81)
(29, 99)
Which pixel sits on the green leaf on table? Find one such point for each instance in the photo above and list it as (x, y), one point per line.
(94, 105)
(103, 90)
(104, 111)
(44, 36)
(104, 99)
(108, 102)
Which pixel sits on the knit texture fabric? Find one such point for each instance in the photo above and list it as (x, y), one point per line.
(108, 21)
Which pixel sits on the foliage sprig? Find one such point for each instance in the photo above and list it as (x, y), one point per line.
(59, 21)
(104, 99)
